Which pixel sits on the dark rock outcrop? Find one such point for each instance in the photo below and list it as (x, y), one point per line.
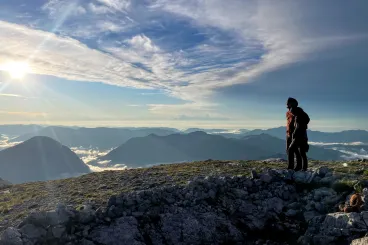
(273, 207)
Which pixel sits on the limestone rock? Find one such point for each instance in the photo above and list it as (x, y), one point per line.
(11, 236)
(208, 210)
(362, 241)
(123, 231)
(32, 232)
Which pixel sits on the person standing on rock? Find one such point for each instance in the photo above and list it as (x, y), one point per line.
(296, 135)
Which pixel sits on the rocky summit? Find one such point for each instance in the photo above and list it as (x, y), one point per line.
(273, 206)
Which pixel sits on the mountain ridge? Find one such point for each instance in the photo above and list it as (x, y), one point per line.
(101, 137)
(39, 158)
(197, 146)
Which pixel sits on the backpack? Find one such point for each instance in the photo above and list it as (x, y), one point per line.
(303, 117)
(306, 118)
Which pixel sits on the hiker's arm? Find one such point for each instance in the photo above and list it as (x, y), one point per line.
(297, 127)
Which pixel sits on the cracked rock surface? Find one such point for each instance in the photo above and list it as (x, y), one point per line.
(272, 207)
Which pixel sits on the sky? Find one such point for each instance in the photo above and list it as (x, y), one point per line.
(183, 63)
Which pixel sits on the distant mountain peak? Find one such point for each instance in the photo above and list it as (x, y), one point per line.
(39, 158)
(4, 183)
(42, 139)
(198, 133)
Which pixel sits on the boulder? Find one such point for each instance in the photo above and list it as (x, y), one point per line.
(342, 227)
(322, 171)
(266, 178)
(11, 236)
(361, 241)
(303, 176)
(32, 232)
(123, 231)
(86, 215)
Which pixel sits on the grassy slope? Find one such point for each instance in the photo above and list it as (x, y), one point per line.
(19, 200)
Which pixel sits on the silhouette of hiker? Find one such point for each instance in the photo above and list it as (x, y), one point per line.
(296, 135)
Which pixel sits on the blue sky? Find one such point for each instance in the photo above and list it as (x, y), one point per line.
(192, 63)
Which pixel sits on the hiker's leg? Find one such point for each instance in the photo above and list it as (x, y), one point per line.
(298, 160)
(291, 153)
(303, 155)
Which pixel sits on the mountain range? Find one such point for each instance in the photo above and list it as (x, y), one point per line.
(39, 158)
(196, 146)
(106, 138)
(346, 136)
(16, 130)
(102, 138)
(44, 153)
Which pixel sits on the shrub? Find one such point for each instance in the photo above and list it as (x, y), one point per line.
(343, 186)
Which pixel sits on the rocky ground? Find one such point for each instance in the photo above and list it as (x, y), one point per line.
(211, 202)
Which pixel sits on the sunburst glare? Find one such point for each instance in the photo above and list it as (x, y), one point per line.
(16, 70)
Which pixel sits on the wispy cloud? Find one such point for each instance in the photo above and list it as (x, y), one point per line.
(63, 57)
(137, 43)
(340, 144)
(16, 96)
(98, 9)
(118, 5)
(188, 111)
(55, 8)
(24, 113)
(12, 95)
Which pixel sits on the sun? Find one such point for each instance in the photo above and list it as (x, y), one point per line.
(16, 70)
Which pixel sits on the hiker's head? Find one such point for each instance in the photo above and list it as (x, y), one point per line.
(291, 103)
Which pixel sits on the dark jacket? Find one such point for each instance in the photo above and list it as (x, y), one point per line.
(300, 123)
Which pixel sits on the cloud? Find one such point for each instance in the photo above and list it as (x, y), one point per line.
(98, 9)
(108, 26)
(204, 117)
(282, 38)
(15, 96)
(64, 57)
(187, 49)
(4, 142)
(89, 154)
(12, 95)
(350, 151)
(338, 144)
(350, 155)
(187, 111)
(24, 113)
(55, 8)
(117, 5)
(100, 169)
(143, 42)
